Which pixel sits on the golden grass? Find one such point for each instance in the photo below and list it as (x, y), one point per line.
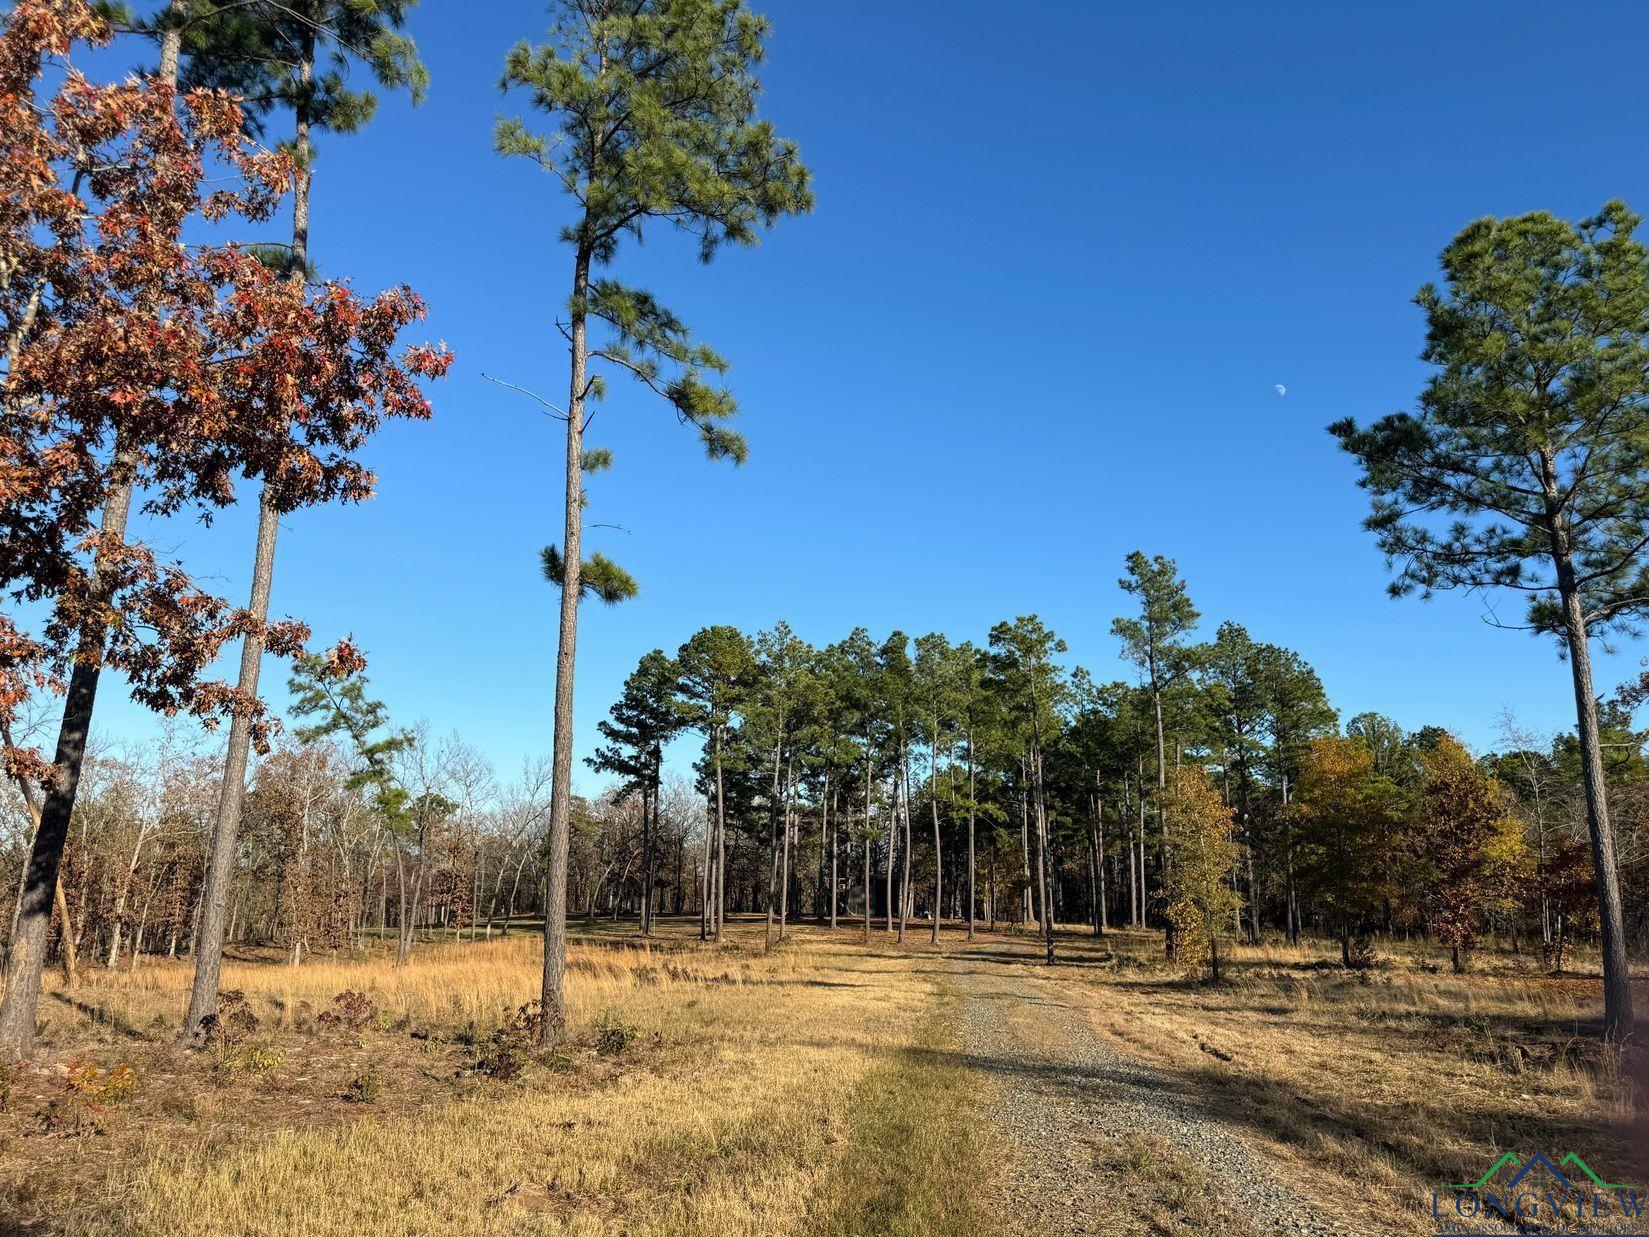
(766, 1094)
(1399, 1079)
(445, 984)
(814, 1090)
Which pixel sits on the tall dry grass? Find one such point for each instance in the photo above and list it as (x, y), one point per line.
(794, 1092)
(441, 985)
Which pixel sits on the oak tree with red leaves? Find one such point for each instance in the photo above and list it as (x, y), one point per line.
(138, 365)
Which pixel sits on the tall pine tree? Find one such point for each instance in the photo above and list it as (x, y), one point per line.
(654, 108)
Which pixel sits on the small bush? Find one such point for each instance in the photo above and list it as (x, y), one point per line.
(89, 1092)
(504, 1054)
(350, 1010)
(231, 1025)
(1360, 955)
(610, 1035)
(365, 1087)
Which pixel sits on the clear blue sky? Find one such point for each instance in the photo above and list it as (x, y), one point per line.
(1061, 257)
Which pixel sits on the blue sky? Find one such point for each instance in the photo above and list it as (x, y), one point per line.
(1060, 259)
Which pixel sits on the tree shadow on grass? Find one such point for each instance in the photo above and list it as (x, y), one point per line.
(99, 1016)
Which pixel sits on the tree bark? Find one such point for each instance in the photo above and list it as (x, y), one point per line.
(933, 797)
(775, 813)
(1617, 987)
(835, 828)
(973, 864)
(561, 758)
(220, 871)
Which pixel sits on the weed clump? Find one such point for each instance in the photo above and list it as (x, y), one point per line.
(610, 1035)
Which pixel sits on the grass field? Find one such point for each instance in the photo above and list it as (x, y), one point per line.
(817, 1089)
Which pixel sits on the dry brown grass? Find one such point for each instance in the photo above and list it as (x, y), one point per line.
(761, 1095)
(1397, 1079)
(813, 1090)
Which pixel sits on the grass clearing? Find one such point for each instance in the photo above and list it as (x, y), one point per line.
(757, 1095)
(818, 1089)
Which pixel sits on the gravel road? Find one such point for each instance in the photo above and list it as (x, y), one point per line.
(1065, 1094)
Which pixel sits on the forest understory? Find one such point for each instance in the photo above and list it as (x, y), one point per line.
(828, 1086)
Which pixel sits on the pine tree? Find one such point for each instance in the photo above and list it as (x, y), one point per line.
(1033, 689)
(1155, 642)
(645, 717)
(937, 682)
(654, 106)
(717, 668)
(1525, 466)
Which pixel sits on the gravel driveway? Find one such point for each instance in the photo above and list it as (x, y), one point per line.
(1066, 1096)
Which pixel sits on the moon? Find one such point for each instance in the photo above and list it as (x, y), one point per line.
(1280, 389)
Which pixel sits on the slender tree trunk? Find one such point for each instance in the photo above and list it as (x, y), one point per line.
(892, 840)
(220, 871)
(938, 865)
(973, 864)
(775, 812)
(1025, 835)
(203, 994)
(904, 884)
(1170, 936)
(60, 901)
(1044, 858)
(867, 885)
(704, 875)
(721, 845)
(789, 826)
(835, 884)
(561, 759)
(1617, 988)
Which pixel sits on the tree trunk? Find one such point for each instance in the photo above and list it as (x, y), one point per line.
(1044, 857)
(903, 774)
(784, 866)
(704, 875)
(867, 883)
(561, 760)
(721, 846)
(220, 871)
(835, 828)
(938, 866)
(60, 901)
(776, 813)
(973, 864)
(1617, 989)
(27, 955)
(892, 843)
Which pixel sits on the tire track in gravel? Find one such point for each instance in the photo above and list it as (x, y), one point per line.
(1063, 1095)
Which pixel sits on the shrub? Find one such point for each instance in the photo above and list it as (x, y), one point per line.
(364, 1087)
(610, 1035)
(503, 1056)
(230, 1025)
(89, 1092)
(350, 1009)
